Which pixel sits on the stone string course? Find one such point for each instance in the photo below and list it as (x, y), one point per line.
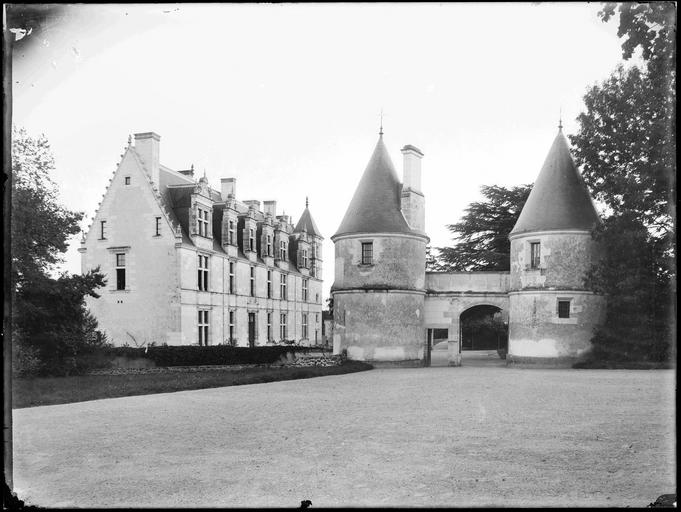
(301, 361)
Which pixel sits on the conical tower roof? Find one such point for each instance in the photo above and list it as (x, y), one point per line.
(306, 222)
(559, 198)
(376, 205)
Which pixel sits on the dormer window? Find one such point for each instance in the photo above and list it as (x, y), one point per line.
(232, 233)
(367, 253)
(202, 222)
(251, 239)
(535, 255)
(282, 250)
(269, 245)
(304, 258)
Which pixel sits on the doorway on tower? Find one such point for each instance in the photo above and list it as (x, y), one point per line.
(484, 332)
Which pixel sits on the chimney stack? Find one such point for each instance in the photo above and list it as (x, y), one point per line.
(227, 188)
(271, 208)
(254, 203)
(148, 146)
(411, 168)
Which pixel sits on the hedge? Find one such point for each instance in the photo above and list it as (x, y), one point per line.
(192, 355)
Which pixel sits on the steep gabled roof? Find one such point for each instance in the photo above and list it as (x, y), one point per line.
(307, 222)
(376, 205)
(559, 198)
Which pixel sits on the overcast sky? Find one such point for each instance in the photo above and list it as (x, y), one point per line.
(287, 98)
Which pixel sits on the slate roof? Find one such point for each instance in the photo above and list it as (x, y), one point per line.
(307, 222)
(559, 198)
(376, 205)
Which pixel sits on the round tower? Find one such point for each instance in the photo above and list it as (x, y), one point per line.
(380, 253)
(552, 312)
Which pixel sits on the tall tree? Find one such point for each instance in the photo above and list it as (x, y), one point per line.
(626, 145)
(51, 326)
(481, 237)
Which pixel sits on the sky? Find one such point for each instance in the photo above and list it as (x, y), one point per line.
(287, 98)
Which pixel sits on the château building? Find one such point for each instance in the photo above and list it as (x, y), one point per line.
(389, 311)
(188, 264)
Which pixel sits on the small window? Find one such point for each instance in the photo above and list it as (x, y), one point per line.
(232, 232)
(158, 226)
(127, 180)
(232, 338)
(282, 287)
(282, 326)
(252, 281)
(232, 288)
(367, 253)
(102, 230)
(269, 326)
(203, 328)
(304, 326)
(269, 284)
(535, 254)
(305, 283)
(203, 273)
(563, 309)
(120, 271)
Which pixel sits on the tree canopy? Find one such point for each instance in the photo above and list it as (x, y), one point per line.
(481, 236)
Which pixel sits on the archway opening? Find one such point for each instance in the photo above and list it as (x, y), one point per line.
(484, 328)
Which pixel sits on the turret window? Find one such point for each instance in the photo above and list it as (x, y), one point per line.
(563, 309)
(367, 253)
(535, 254)
(304, 258)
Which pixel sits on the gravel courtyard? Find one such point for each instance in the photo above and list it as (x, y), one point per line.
(413, 437)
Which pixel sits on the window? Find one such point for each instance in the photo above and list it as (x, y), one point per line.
(317, 317)
(251, 239)
(269, 245)
(120, 271)
(563, 309)
(316, 298)
(304, 258)
(269, 326)
(102, 230)
(203, 328)
(231, 277)
(304, 326)
(367, 253)
(158, 226)
(535, 254)
(232, 232)
(282, 250)
(127, 180)
(252, 281)
(269, 284)
(203, 273)
(232, 339)
(282, 326)
(282, 287)
(203, 222)
(305, 290)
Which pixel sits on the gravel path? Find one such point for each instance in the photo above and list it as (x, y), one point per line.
(411, 437)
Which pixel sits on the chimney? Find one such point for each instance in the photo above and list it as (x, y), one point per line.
(271, 208)
(411, 168)
(228, 188)
(254, 203)
(147, 146)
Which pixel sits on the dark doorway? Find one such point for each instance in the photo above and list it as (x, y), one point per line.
(251, 330)
(483, 328)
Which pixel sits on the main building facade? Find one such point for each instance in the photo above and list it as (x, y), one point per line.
(187, 264)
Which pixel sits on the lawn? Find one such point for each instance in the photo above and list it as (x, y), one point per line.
(64, 390)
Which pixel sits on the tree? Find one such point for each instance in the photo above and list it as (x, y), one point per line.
(626, 145)
(51, 327)
(41, 226)
(481, 237)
